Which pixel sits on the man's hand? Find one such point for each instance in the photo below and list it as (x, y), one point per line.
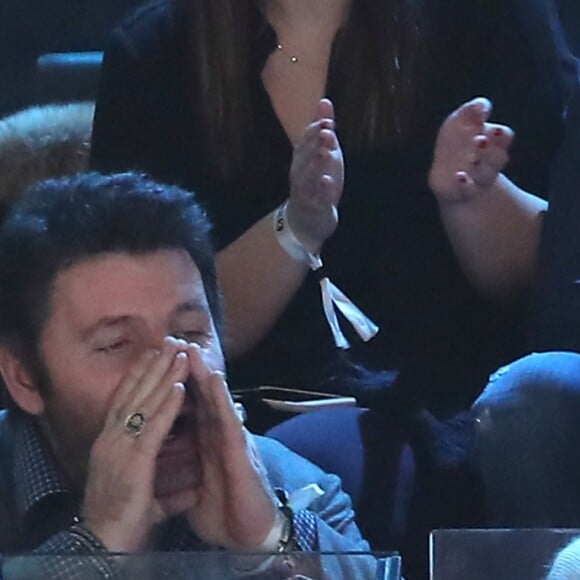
(119, 504)
(316, 181)
(234, 504)
(469, 153)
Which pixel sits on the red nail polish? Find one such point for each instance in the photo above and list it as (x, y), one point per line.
(462, 178)
(498, 132)
(482, 144)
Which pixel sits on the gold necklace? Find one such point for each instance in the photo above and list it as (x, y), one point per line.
(294, 59)
(291, 57)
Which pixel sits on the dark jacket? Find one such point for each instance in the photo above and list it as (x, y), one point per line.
(390, 254)
(556, 313)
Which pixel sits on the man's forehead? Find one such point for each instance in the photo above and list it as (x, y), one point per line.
(121, 284)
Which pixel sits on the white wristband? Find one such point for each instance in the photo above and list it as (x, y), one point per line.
(277, 540)
(272, 542)
(288, 240)
(332, 297)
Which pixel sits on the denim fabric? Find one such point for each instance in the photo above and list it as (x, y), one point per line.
(527, 444)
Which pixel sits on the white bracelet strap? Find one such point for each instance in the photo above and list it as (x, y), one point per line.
(273, 545)
(299, 499)
(272, 541)
(276, 541)
(332, 297)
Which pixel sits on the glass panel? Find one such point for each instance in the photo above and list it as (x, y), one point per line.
(507, 554)
(206, 566)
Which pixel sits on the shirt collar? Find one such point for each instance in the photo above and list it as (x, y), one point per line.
(36, 472)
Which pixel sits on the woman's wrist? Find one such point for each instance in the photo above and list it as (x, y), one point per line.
(332, 297)
(290, 241)
(307, 226)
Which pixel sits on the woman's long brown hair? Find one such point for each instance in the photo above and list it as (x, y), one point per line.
(374, 68)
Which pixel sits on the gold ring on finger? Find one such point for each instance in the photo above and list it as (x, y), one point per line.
(134, 424)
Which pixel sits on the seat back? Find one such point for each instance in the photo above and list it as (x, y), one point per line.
(67, 76)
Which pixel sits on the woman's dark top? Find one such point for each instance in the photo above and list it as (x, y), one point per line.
(390, 254)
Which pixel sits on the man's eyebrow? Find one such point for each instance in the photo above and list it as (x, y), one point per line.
(107, 322)
(104, 323)
(192, 306)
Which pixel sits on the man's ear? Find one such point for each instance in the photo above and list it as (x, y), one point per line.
(19, 382)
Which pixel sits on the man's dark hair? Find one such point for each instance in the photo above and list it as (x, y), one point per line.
(61, 222)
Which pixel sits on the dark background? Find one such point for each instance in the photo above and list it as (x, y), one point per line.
(30, 28)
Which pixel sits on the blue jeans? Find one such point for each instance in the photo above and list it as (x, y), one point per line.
(527, 443)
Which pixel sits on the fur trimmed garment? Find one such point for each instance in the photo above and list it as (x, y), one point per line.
(42, 142)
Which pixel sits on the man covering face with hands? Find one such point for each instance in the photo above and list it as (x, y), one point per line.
(120, 433)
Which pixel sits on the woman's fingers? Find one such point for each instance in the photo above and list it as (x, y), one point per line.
(327, 141)
(490, 153)
(470, 152)
(316, 141)
(499, 135)
(473, 113)
(316, 181)
(325, 109)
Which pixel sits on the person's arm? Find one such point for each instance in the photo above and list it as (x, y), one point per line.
(493, 225)
(258, 277)
(75, 554)
(236, 506)
(119, 507)
(331, 511)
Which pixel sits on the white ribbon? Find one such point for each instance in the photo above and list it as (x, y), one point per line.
(332, 297)
(302, 498)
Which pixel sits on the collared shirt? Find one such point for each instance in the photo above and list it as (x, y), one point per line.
(35, 469)
(48, 509)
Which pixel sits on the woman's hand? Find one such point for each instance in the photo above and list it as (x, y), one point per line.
(492, 224)
(469, 153)
(234, 506)
(316, 181)
(119, 503)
